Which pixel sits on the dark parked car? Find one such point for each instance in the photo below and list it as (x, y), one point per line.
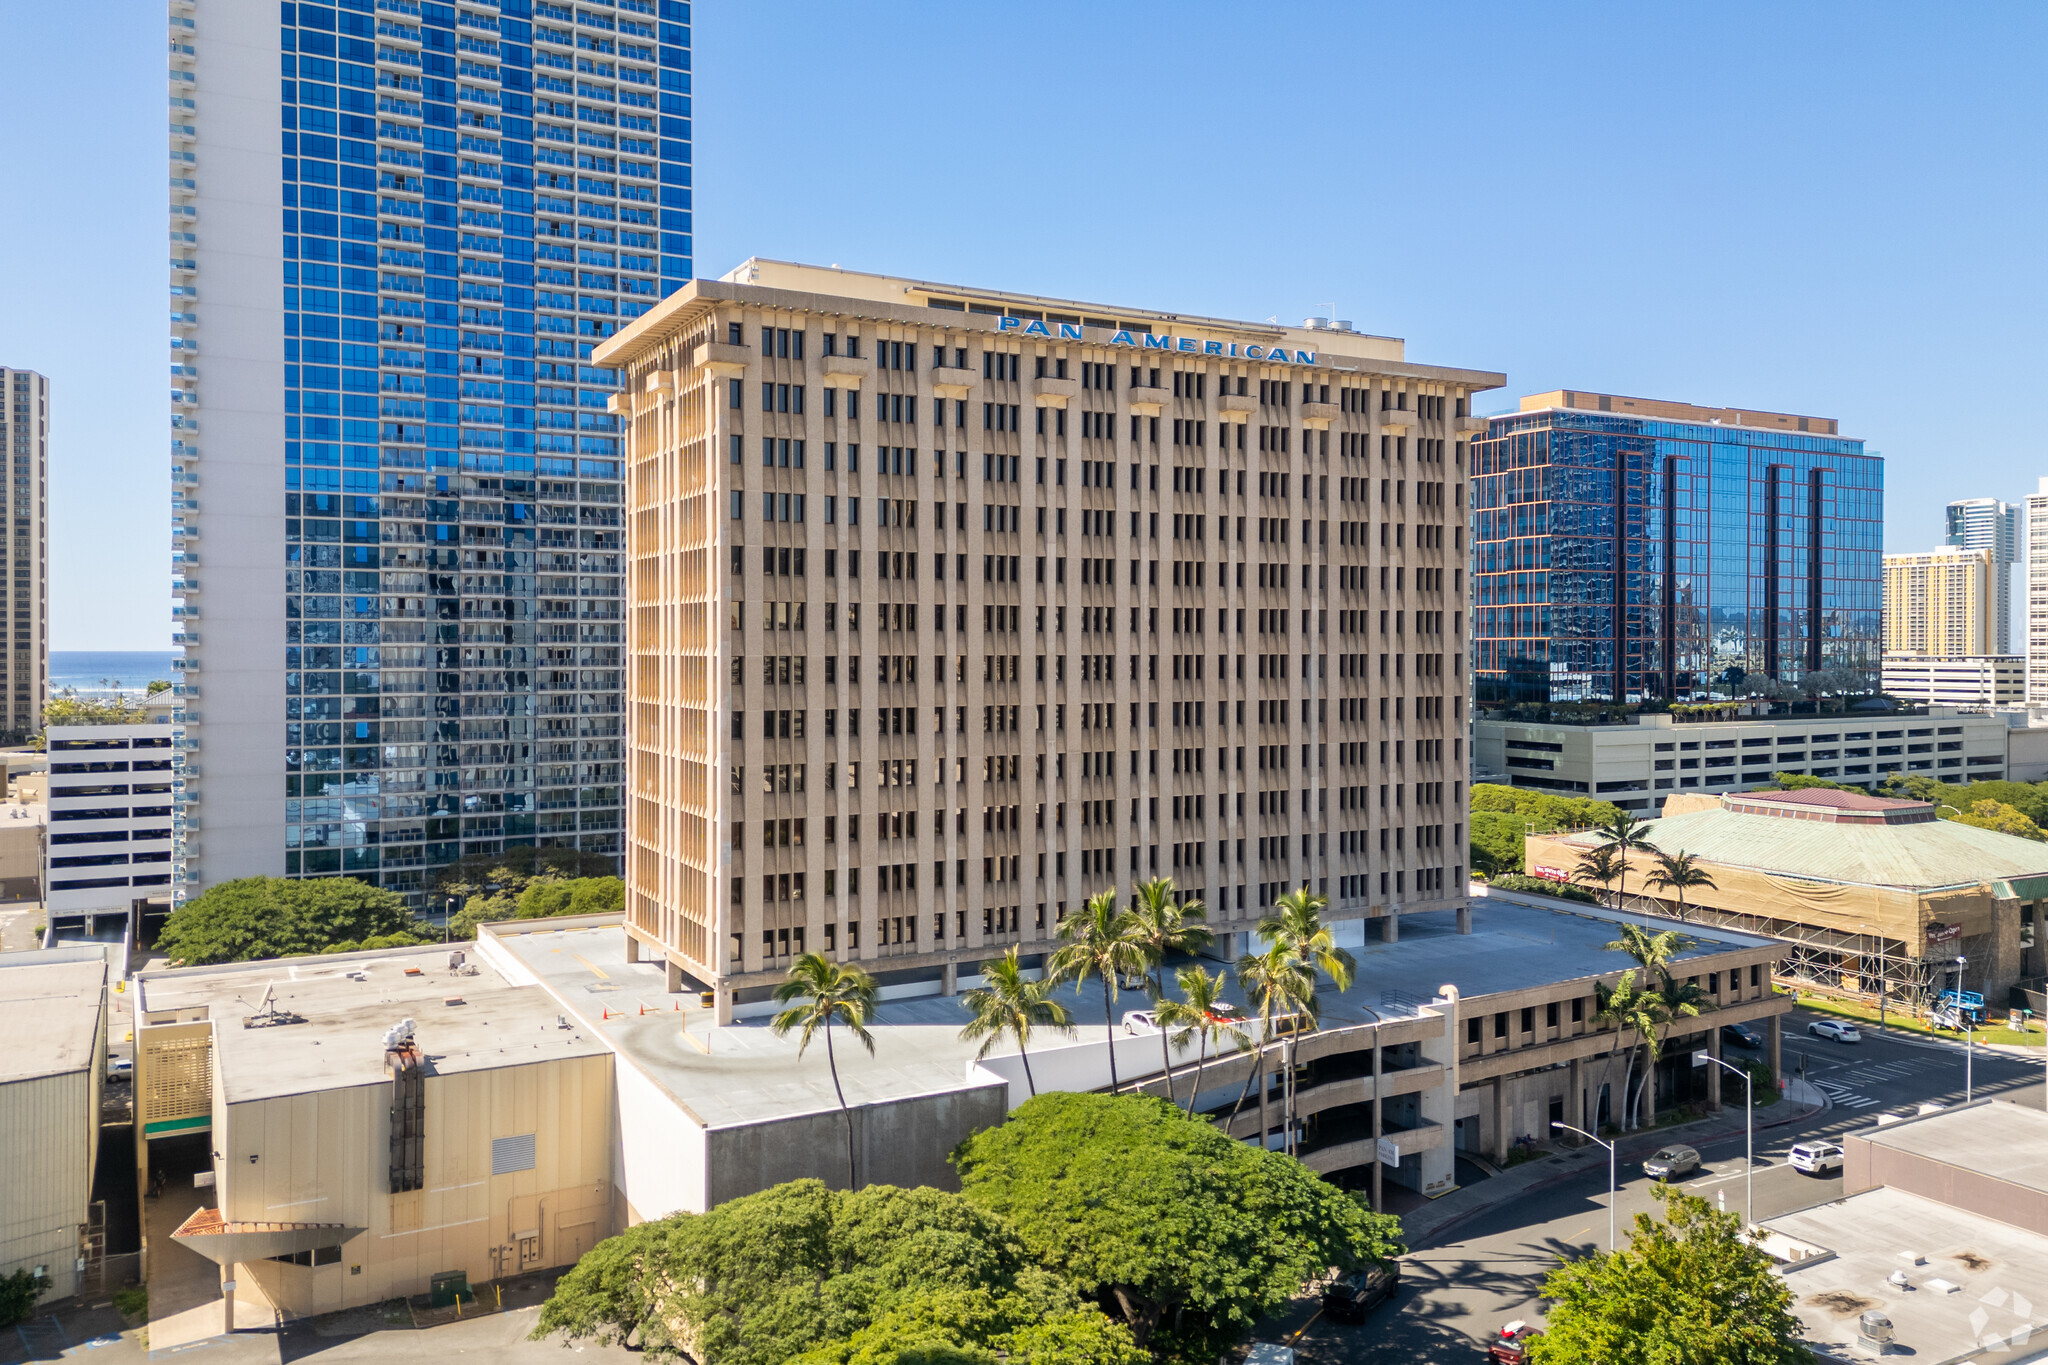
(1739, 1035)
(1349, 1299)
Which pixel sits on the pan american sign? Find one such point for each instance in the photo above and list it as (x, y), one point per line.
(1151, 341)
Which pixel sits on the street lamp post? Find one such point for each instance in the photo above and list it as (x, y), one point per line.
(1748, 1132)
(1611, 1199)
(1969, 1031)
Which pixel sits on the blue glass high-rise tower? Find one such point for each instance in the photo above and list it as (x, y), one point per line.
(1629, 549)
(398, 228)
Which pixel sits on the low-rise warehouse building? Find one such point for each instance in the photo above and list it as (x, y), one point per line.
(1869, 894)
(1937, 1243)
(548, 1092)
(53, 1016)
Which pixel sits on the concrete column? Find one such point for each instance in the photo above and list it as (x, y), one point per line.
(1714, 1079)
(1377, 1130)
(949, 979)
(1390, 927)
(721, 997)
(1465, 918)
(227, 1296)
(1777, 1048)
(1265, 1123)
(632, 948)
(675, 974)
(1501, 1138)
(1575, 1106)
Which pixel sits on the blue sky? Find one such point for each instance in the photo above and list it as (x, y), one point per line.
(1828, 209)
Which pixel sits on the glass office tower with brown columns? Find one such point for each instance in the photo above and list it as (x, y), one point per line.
(949, 608)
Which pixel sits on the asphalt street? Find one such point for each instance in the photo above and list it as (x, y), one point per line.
(1488, 1269)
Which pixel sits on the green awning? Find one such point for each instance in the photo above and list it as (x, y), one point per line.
(2021, 889)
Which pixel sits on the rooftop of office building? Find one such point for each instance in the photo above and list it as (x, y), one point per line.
(900, 300)
(293, 1026)
(1666, 410)
(49, 1011)
(742, 1073)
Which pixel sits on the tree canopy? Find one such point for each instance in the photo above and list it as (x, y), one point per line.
(259, 917)
(1496, 839)
(878, 1276)
(92, 711)
(540, 898)
(2005, 819)
(1687, 1287)
(1187, 1236)
(1545, 811)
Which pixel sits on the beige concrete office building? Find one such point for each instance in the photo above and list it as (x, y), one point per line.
(950, 607)
(1957, 679)
(25, 660)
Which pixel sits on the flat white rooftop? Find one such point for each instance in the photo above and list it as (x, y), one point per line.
(336, 1039)
(1997, 1310)
(49, 1011)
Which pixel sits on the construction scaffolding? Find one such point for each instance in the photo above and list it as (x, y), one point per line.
(1865, 965)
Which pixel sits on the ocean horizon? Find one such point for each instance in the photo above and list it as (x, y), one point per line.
(97, 672)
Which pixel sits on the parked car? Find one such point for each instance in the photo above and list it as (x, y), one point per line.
(1815, 1158)
(1669, 1163)
(1737, 1035)
(120, 1069)
(1140, 1021)
(1841, 1030)
(1350, 1297)
(1511, 1347)
(1268, 1353)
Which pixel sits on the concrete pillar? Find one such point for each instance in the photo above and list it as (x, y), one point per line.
(227, 1296)
(1377, 1129)
(1390, 927)
(633, 950)
(675, 974)
(1465, 918)
(1715, 1072)
(949, 979)
(721, 997)
(1501, 1137)
(1777, 1050)
(1575, 1107)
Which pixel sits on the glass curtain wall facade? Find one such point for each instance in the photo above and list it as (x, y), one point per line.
(1626, 559)
(473, 196)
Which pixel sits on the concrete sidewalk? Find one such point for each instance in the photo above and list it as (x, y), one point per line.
(1428, 1225)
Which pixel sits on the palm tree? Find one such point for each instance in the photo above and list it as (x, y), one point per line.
(1681, 872)
(1296, 925)
(1670, 1002)
(1652, 951)
(1161, 923)
(1010, 1005)
(1617, 1006)
(1275, 980)
(824, 991)
(1195, 1016)
(1623, 833)
(1102, 942)
(1598, 867)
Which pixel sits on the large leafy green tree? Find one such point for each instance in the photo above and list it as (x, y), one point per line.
(1688, 1288)
(1497, 841)
(879, 1276)
(259, 917)
(2000, 817)
(1184, 1235)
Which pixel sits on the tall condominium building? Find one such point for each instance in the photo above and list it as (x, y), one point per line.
(949, 608)
(1631, 548)
(397, 521)
(25, 664)
(1941, 602)
(1989, 524)
(2037, 596)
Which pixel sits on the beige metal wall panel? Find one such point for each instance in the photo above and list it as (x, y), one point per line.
(46, 1129)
